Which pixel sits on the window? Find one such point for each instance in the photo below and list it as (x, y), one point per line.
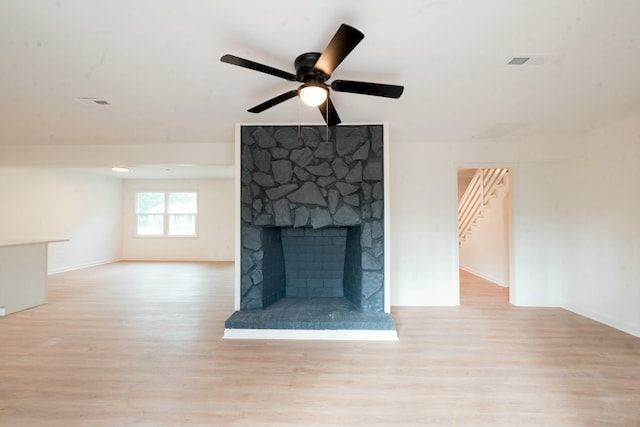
(162, 213)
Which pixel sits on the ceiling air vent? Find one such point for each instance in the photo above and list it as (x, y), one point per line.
(99, 101)
(518, 60)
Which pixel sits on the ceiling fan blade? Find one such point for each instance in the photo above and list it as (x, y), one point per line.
(364, 88)
(274, 101)
(240, 62)
(329, 113)
(342, 43)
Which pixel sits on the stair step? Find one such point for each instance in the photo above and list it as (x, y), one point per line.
(489, 179)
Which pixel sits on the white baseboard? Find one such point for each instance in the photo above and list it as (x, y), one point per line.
(81, 266)
(311, 334)
(109, 261)
(605, 320)
(484, 276)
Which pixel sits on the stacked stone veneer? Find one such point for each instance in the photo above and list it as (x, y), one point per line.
(295, 178)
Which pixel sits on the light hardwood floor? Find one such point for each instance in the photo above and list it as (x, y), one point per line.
(139, 344)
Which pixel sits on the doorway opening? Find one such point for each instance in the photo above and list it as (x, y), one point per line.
(484, 212)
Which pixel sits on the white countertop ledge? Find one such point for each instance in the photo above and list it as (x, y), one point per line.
(4, 244)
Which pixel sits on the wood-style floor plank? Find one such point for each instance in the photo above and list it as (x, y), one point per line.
(139, 344)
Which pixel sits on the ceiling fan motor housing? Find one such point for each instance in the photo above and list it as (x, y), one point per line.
(305, 68)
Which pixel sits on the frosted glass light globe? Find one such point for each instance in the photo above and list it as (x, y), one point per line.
(313, 95)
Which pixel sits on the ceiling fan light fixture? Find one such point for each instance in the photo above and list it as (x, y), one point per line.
(313, 95)
(313, 70)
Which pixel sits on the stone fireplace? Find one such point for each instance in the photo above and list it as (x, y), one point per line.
(312, 224)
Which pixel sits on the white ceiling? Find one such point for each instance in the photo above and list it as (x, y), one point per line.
(157, 64)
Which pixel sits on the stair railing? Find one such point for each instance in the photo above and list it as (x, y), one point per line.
(476, 197)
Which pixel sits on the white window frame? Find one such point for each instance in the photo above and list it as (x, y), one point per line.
(166, 215)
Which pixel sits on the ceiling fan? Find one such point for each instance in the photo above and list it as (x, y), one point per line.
(313, 70)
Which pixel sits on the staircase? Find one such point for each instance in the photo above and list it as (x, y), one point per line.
(481, 189)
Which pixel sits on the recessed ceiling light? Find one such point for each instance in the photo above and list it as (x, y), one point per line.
(120, 169)
(519, 60)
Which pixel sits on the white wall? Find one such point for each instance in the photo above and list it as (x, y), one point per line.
(599, 215)
(424, 248)
(538, 274)
(575, 238)
(485, 250)
(423, 226)
(107, 155)
(215, 239)
(574, 242)
(63, 204)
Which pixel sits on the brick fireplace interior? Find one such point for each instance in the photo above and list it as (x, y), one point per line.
(312, 228)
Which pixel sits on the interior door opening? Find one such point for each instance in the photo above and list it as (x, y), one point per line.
(483, 234)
